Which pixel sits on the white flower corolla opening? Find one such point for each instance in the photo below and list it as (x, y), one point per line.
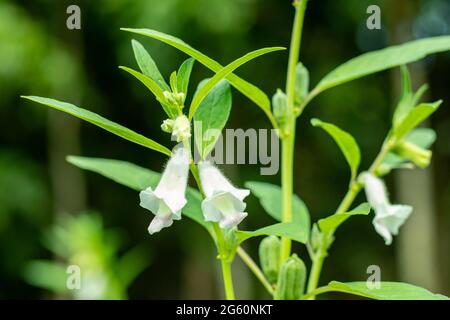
(167, 200)
(181, 129)
(224, 203)
(388, 218)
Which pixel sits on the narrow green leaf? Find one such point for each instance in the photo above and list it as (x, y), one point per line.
(183, 75)
(290, 230)
(384, 59)
(270, 197)
(406, 100)
(346, 143)
(415, 117)
(223, 73)
(249, 90)
(148, 65)
(387, 291)
(152, 86)
(101, 122)
(211, 117)
(138, 178)
(331, 223)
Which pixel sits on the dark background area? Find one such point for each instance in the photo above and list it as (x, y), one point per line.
(40, 56)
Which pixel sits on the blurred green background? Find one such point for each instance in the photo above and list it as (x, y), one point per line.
(44, 225)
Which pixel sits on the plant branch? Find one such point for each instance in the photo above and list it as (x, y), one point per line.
(255, 269)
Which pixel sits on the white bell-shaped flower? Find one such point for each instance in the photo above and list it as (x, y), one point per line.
(388, 218)
(167, 200)
(224, 202)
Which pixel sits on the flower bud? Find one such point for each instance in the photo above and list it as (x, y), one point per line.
(301, 83)
(292, 279)
(419, 156)
(179, 98)
(167, 125)
(269, 257)
(181, 128)
(280, 110)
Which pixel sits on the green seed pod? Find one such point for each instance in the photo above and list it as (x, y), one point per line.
(292, 279)
(301, 83)
(269, 256)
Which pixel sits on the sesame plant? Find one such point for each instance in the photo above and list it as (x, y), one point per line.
(219, 206)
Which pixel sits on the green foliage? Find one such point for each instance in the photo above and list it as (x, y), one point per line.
(383, 59)
(331, 223)
(83, 241)
(184, 74)
(211, 117)
(301, 84)
(387, 291)
(148, 65)
(346, 143)
(270, 197)
(289, 230)
(414, 117)
(249, 90)
(101, 122)
(154, 88)
(223, 73)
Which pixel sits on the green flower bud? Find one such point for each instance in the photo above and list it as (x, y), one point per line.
(292, 279)
(167, 125)
(280, 110)
(269, 257)
(419, 156)
(301, 83)
(316, 237)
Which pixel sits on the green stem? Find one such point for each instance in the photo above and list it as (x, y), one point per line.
(227, 279)
(288, 142)
(355, 188)
(255, 269)
(225, 263)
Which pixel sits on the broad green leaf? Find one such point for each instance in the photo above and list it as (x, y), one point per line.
(47, 275)
(139, 178)
(211, 117)
(270, 197)
(183, 75)
(421, 137)
(249, 90)
(101, 122)
(148, 65)
(292, 231)
(384, 59)
(223, 73)
(346, 143)
(415, 117)
(331, 223)
(153, 87)
(387, 291)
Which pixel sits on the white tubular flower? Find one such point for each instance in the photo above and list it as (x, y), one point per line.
(388, 218)
(181, 129)
(224, 202)
(167, 200)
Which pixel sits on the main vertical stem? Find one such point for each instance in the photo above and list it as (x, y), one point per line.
(288, 142)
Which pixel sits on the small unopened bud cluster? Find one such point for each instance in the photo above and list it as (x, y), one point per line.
(180, 128)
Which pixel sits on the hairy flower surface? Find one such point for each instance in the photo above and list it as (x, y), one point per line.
(224, 203)
(167, 200)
